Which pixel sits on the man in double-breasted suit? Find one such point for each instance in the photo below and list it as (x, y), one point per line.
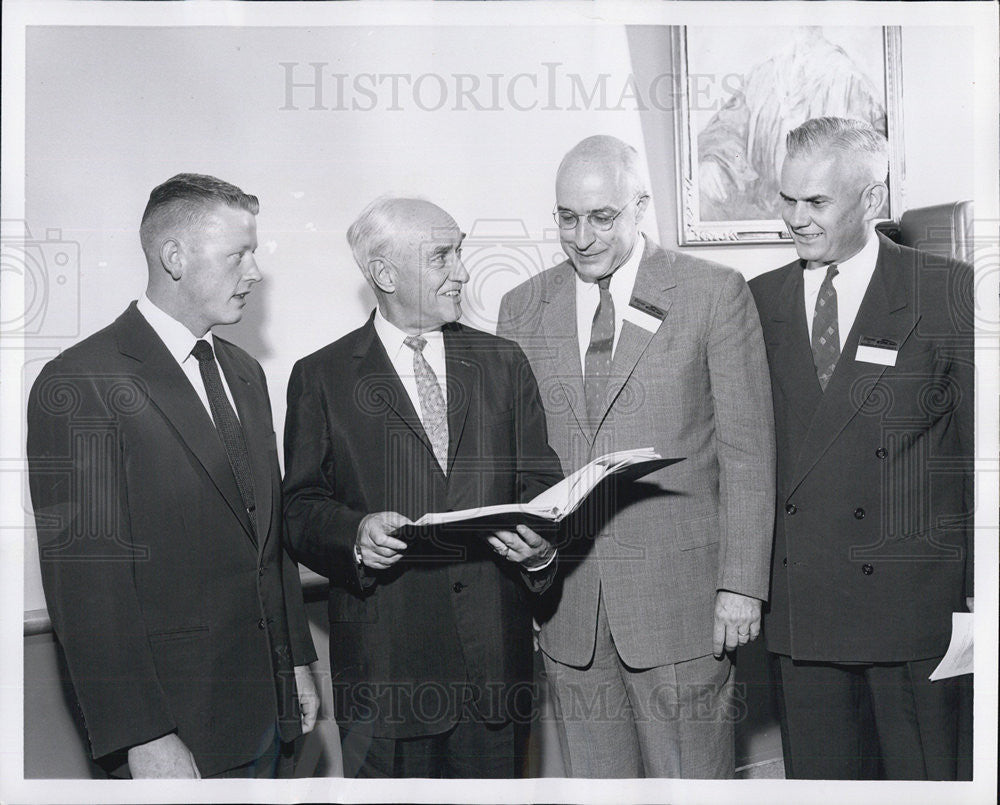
(635, 346)
(430, 641)
(870, 349)
(158, 514)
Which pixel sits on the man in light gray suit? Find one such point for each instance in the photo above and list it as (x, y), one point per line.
(634, 346)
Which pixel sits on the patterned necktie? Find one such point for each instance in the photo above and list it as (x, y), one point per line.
(826, 330)
(598, 359)
(227, 425)
(433, 409)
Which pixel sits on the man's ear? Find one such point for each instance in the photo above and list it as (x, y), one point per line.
(382, 274)
(172, 258)
(641, 205)
(875, 196)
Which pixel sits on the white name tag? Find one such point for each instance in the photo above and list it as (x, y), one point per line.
(882, 351)
(643, 314)
(640, 319)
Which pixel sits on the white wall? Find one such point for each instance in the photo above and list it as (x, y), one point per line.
(111, 112)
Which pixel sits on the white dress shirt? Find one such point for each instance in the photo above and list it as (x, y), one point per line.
(851, 283)
(588, 297)
(179, 341)
(401, 358)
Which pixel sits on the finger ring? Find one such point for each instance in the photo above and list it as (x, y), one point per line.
(506, 550)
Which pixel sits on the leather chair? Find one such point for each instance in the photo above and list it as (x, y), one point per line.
(943, 229)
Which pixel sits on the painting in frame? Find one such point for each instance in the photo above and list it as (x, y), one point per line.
(743, 89)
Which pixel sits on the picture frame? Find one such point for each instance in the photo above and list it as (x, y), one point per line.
(740, 91)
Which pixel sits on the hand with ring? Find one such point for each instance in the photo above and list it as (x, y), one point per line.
(523, 547)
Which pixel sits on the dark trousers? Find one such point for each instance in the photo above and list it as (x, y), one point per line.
(471, 748)
(276, 763)
(869, 721)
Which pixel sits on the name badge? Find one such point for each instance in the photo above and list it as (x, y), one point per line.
(882, 351)
(644, 314)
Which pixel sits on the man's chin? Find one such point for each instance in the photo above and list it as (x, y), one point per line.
(590, 270)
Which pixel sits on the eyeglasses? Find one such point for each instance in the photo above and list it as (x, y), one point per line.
(599, 220)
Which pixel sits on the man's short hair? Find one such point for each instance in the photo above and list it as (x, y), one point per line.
(373, 232)
(843, 134)
(604, 148)
(184, 200)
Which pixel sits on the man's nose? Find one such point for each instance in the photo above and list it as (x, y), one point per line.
(253, 271)
(583, 233)
(459, 273)
(798, 216)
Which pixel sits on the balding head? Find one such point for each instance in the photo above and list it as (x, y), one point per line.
(409, 251)
(606, 154)
(597, 181)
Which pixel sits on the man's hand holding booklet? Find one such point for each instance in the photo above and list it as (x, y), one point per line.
(556, 502)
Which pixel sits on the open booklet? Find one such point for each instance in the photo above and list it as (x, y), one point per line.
(556, 502)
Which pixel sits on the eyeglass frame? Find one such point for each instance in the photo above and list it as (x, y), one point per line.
(589, 215)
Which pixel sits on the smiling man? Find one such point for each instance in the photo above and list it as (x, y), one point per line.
(637, 346)
(155, 483)
(430, 642)
(871, 356)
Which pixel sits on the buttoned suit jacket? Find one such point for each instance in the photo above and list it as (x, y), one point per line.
(173, 612)
(446, 631)
(692, 385)
(873, 538)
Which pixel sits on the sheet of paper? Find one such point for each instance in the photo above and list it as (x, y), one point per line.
(958, 658)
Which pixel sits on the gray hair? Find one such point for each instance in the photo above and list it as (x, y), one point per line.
(372, 234)
(842, 134)
(603, 148)
(184, 200)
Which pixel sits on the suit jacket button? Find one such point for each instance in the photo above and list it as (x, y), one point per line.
(867, 569)
(784, 562)
(881, 453)
(260, 624)
(261, 571)
(859, 513)
(458, 587)
(790, 508)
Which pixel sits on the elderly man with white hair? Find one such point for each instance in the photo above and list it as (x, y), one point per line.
(430, 639)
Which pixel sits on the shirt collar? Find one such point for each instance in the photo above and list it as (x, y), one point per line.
(393, 339)
(178, 339)
(860, 264)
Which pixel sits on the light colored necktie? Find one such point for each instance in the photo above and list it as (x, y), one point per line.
(826, 329)
(433, 409)
(597, 363)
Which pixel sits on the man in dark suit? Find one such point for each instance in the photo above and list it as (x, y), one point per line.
(155, 483)
(430, 643)
(637, 346)
(871, 353)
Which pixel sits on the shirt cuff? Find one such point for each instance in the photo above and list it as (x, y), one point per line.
(542, 567)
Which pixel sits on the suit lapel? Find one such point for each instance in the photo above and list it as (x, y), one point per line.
(172, 394)
(252, 410)
(653, 282)
(792, 357)
(559, 326)
(463, 386)
(885, 312)
(379, 384)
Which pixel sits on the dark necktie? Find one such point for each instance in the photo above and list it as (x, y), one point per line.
(227, 424)
(433, 409)
(598, 359)
(826, 330)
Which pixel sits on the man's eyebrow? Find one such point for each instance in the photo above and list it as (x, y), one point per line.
(817, 197)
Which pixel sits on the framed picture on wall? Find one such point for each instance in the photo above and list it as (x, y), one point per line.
(742, 89)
